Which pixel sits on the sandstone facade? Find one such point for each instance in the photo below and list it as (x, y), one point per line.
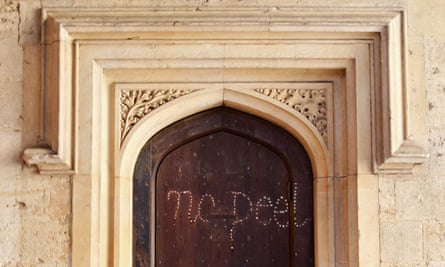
(35, 210)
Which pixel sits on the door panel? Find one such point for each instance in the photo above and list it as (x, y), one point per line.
(216, 201)
(229, 189)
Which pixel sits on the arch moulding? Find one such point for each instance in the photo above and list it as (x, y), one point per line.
(335, 79)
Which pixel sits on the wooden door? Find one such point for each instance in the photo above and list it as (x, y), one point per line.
(223, 188)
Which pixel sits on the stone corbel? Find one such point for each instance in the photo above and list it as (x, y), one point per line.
(47, 161)
(404, 158)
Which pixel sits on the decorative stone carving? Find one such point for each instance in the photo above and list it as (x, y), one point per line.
(369, 44)
(136, 104)
(311, 103)
(399, 135)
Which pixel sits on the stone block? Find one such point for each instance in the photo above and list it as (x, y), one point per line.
(435, 164)
(8, 6)
(436, 90)
(10, 107)
(45, 200)
(436, 117)
(436, 140)
(9, 19)
(387, 207)
(9, 247)
(401, 242)
(11, 58)
(409, 198)
(434, 233)
(45, 243)
(10, 155)
(434, 56)
(60, 202)
(421, 198)
(436, 148)
(434, 198)
(425, 17)
(29, 22)
(40, 207)
(8, 207)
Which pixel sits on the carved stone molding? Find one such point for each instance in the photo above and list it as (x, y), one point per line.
(136, 104)
(85, 52)
(64, 30)
(311, 103)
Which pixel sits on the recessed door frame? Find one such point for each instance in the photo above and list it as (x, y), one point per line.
(259, 105)
(213, 172)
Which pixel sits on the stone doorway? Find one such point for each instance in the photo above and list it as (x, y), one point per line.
(253, 59)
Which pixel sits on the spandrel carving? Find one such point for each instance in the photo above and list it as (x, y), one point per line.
(138, 103)
(311, 103)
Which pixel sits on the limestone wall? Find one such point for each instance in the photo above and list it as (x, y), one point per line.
(412, 208)
(35, 210)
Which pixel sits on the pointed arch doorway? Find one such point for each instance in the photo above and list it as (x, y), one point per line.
(86, 59)
(223, 188)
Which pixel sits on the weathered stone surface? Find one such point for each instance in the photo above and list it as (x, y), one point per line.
(10, 106)
(52, 241)
(35, 216)
(10, 156)
(436, 88)
(46, 200)
(401, 242)
(420, 198)
(9, 18)
(29, 32)
(434, 234)
(409, 198)
(35, 210)
(436, 145)
(11, 56)
(435, 73)
(387, 200)
(10, 234)
(434, 197)
(425, 17)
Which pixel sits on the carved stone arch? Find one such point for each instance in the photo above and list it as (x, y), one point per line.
(254, 104)
(290, 120)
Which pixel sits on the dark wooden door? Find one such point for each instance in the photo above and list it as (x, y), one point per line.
(223, 188)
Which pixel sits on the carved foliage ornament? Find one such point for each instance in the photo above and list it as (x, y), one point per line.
(311, 103)
(137, 103)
